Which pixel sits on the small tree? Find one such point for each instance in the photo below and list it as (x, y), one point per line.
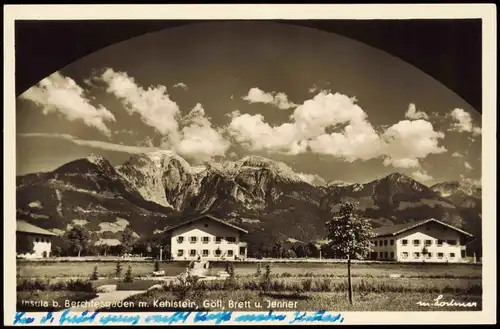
(118, 269)
(157, 266)
(127, 240)
(265, 282)
(349, 234)
(24, 244)
(95, 274)
(78, 239)
(128, 275)
(259, 271)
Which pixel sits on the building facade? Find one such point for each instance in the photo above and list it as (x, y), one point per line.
(207, 238)
(423, 241)
(39, 238)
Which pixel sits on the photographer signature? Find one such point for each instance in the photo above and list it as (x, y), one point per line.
(439, 303)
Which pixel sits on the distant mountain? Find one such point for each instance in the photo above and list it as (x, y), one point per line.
(153, 191)
(463, 193)
(86, 191)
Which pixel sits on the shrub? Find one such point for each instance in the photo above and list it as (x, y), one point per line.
(230, 283)
(95, 274)
(32, 285)
(157, 266)
(128, 275)
(79, 285)
(118, 269)
(187, 286)
(265, 282)
(286, 275)
(259, 271)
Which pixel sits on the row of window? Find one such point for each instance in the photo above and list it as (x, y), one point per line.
(440, 255)
(204, 252)
(42, 240)
(415, 242)
(439, 243)
(206, 239)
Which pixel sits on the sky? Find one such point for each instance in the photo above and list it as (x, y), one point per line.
(322, 103)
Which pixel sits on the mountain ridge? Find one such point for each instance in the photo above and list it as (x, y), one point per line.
(152, 191)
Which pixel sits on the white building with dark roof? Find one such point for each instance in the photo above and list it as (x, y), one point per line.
(41, 239)
(207, 238)
(421, 241)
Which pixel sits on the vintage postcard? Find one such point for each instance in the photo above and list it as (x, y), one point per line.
(249, 164)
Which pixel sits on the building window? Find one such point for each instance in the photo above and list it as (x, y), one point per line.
(206, 239)
(428, 255)
(404, 242)
(180, 239)
(416, 255)
(386, 254)
(385, 242)
(428, 242)
(36, 240)
(416, 242)
(440, 243)
(381, 255)
(392, 242)
(206, 225)
(230, 253)
(231, 239)
(440, 255)
(452, 255)
(404, 254)
(218, 239)
(452, 242)
(193, 239)
(180, 253)
(217, 252)
(392, 255)
(192, 252)
(205, 253)
(375, 243)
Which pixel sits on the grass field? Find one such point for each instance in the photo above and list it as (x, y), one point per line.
(292, 286)
(107, 269)
(313, 294)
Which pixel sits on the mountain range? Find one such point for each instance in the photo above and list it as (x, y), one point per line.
(151, 192)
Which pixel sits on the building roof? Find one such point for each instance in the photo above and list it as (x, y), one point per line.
(25, 227)
(393, 230)
(209, 217)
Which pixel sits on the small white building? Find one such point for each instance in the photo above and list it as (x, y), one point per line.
(422, 241)
(208, 238)
(41, 239)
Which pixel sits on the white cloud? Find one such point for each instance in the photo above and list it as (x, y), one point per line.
(154, 105)
(181, 85)
(313, 89)
(422, 176)
(60, 94)
(312, 179)
(471, 181)
(463, 122)
(408, 141)
(413, 114)
(280, 100)
(95, 144)
(199, 140)
(457, 155)
(467, 165)
(402, 145)
(191, 136)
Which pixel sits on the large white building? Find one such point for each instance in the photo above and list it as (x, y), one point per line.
(207, 238)
(39, 237)
(422, 241)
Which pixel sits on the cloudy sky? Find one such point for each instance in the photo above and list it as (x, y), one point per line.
(322, 103)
